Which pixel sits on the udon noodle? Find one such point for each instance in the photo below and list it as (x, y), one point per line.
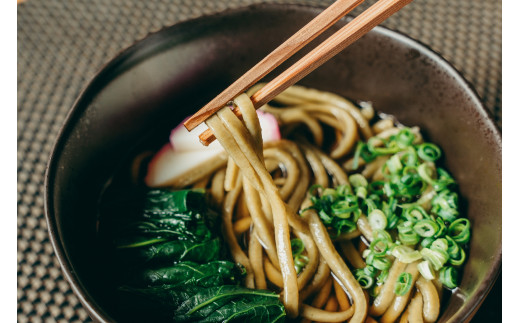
(263, 195)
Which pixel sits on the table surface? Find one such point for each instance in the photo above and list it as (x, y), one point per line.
(62, 43)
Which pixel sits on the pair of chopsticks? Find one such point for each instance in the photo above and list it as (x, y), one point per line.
(351, 32)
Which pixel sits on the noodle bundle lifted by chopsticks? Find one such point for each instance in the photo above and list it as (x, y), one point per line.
(347, 217)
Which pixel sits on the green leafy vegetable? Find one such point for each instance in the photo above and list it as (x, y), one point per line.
(227, 303)
(166, 203)
(178, 271)
(231, 303)
(189, 273)
(173, 251)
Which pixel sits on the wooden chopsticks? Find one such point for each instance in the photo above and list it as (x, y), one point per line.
(351, 32)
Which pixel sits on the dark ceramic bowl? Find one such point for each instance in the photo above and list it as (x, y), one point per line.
(153, 85)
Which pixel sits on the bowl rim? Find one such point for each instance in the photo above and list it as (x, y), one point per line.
(93, 309)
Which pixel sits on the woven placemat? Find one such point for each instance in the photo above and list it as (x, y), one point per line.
(61, 44)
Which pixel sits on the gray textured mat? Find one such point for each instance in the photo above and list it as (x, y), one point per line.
(61, 44)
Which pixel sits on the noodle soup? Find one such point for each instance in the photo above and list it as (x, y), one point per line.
(347, 217)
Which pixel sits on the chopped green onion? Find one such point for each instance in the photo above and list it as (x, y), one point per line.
(363, 152)
(426, 270)
(393, 164)
(403, 284)
(315, 189)
(390, 211)
(409, 238)
(459, 258)
(404, 138)
(343, 190)
(365, 276)
(406, 233)
(382, 235)
(358, 180)
(453, 247)
(428, 152)
(297, 246)
(427, 242)
(426, 172)
(300, 260)
(442, 228)
(390, 147)
(448, 276)
(344, 225)
(369, 205)
(444, 180)
(370, 271)
(426, 228)
(381, 263)
(437, 257)
(377, 220)
(382, 277)
(415, 213)
(361, 192)
(365, 281)
(376, 187)
(325, 217)
(440, 243)
(379, 247)
(344, 208)
(409, 158)
(445, 205)
(459, 231)
(406, 254)
(329, 194)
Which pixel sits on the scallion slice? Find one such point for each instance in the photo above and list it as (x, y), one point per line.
(406, 254)
(382, 235)
(426, 228)
(445, 205)
(415, 213)
(458, 259)
(426, 172)
(393, 164)
(403, 284)
(365, 280)
(426, 270)
(297, 246)
(427, 242)
(448, 276)
(428, 152)
(358, 180)
(459, 231)
(442, 228)
(381, 263)
(440, 243)
(382, 277)
(404, 138)
(453, 247)
(379, 247)
(377, 220)
(437, 257)
(407, 235)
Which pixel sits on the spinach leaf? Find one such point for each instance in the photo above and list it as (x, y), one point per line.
(159, 252)
(174, 269)
(165, 203)
(213, 304)
(165, 229)
(189, 273)
(231, 303)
